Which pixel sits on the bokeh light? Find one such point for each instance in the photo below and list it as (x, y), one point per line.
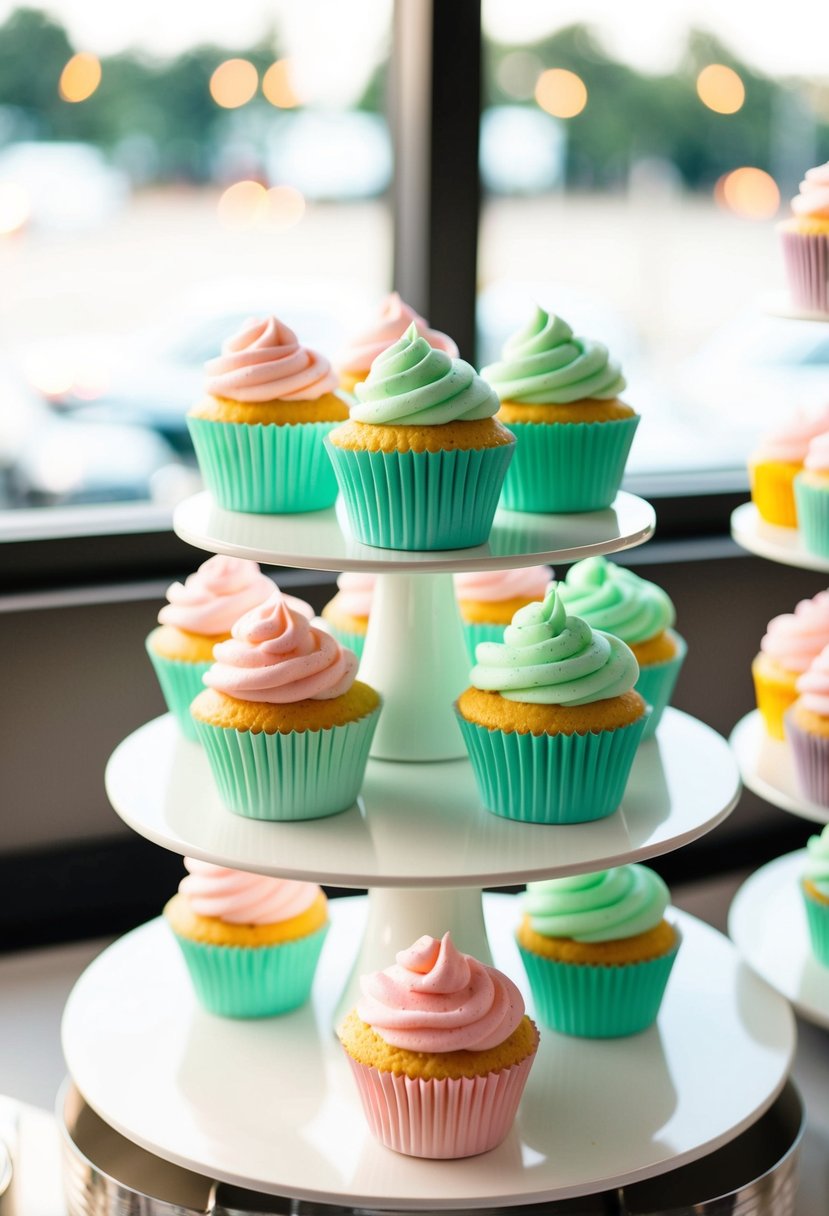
(561, 93)
(285, 208)
(517, 74)
(80, 77)
(243, 204)
(15, 207)
(721, 89)
(234, 83)
(278, 85)
(749, 192)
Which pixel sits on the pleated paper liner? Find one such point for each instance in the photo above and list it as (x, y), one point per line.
(656, 684)
(773, 699)
(253, 981)
(817, 918)
(813, 515)
(810, 754)
(551, 779)
(806, 260)
(597, 1001)
(265, 469)
(301, 775)
(772, 491)
(567, 466)
(421, 500)
(180, 684)
(476, 633)
(352, 641)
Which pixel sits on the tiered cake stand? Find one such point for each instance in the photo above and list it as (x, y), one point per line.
(271, 1105)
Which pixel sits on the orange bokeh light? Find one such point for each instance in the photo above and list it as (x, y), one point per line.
(749, 192)
(561, 93)
(721, 89)
(278, 85)
(243, 205)
(234, 83)
(80, 77)
(286, 207)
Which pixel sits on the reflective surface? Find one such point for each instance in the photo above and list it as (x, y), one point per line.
(779, 544)
(767, 768)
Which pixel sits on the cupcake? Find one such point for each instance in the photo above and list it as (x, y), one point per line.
(617, 601)
(258, 434)
(395, 318)
(285, 725)
(346, 615)
(489, 599)
(552, 721)
(806, 725)
(805, 238)
(598, 950)
(560, 398)
(251, 943)
(790, 644)
(815, 889)
(811, 495)
(421, 462)
(200, 612)
(440, 1048)
(777, 461)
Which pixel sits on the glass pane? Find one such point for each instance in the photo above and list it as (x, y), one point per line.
(166, 172)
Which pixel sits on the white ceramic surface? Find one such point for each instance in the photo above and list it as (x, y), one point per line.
(422, 825)
(767, 923)
(320, 540)
(271, 1104)
(778, 544)
(767, 768)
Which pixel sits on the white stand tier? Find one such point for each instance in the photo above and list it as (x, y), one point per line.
(767, 923)
(778, 544)
(271, 1105)
(320, 540)
(767, 769)
(779, 304)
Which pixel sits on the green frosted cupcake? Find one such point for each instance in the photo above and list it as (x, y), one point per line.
(815, 888)
(559, 397)
(552, 721)
(346, 615)
(598, 950)
(251, 943)
(421, 462)
(613, 599)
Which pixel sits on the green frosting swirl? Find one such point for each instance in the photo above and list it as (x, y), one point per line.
(817, 864)
(550, 658)
(601, 907)
(544, 364)
(412, 384)
(611, 598)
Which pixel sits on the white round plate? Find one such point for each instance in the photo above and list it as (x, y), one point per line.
(423, 824)
(779, 304)
(766, 540)
(271, 1105)
(767, 923)
(767, 769)
(320, 540)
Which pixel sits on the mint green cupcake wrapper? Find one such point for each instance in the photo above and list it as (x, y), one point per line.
(253, 981)
(656, 684)
(305, 774)
(567, 466)
(265, 469)
(594, 1001)
(353, 641)
(476, 633)
(812, 516)
(551, 779)
(421, 500)
(817, 918)
(180, 684)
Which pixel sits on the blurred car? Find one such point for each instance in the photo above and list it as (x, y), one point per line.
(336, 155)
(66, 186)
(522, 150)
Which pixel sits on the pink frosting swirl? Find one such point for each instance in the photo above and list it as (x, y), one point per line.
(212, 598)
(795, 639)
(354, 594)
(436, 999)
(813, 685)
(791, 442)
(817, 458)
(265, 362)
(275, 656)
(813, 199)
(492, 586)
(395, 318)
(240, 898)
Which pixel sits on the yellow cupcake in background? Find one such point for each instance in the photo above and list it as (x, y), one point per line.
(776, 462)
(790, 644)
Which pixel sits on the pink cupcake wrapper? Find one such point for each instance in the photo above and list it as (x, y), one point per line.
(806, 259)
(810, 754)
(441, 1118)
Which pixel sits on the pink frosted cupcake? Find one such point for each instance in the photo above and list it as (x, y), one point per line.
(440, 1048)
(394, 319)
(779, 458)
(811, 493)
(346, 615)
(807, 730)
(489, 599)
(805, 238)
(790, 644)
